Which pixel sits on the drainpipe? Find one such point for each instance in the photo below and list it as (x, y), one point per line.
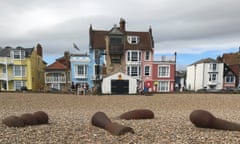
(175, 61)
(195, 67)
(6, 73)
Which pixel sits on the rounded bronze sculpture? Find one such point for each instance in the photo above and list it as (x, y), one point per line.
(204, 119)
(13, 121)
(41, 116)
(137, 114)
(29, 119)
(100, 119)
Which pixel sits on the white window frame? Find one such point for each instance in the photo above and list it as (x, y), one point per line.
(160, 74)
(149, 70)
(149, 55)
(18, 54)
(129, 56)
(163, 86)
(85, 70)
(130, 71)
(229, 79)
(133, 39)
(213, 67)
(213, 77)
(4, 70)
(21, 72)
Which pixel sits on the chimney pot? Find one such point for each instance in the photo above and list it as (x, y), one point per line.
(122, 24)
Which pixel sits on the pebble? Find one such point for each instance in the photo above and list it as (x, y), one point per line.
(70, 115)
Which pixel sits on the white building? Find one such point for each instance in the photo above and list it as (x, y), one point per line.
(205, 74)
(119, 83)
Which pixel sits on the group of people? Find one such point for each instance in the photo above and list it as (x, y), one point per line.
(79, 89)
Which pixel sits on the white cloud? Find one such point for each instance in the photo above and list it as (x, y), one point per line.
(185, 26)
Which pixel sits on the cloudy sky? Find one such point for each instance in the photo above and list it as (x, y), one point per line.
(194, 29)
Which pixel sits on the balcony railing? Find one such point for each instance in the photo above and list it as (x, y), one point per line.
(167, 58)
(6, 60)
(80, 76)
(6, 77)
(51, 79)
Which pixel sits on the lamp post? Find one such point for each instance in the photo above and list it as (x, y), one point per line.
(175, 61)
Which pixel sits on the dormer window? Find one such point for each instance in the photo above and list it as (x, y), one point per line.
(18, 54)
(133, 39)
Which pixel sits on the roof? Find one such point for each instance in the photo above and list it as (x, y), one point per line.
(206, 60)
(56, 66)
(97, 38)
(231, 58)
(145, 40)
(6, 51)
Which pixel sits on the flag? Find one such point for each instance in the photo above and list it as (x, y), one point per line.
(76, 47)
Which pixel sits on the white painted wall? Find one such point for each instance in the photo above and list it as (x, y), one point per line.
(106, 83)
(198, 76)
(190, 78)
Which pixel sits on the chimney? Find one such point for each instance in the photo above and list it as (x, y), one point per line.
(67, 59)
(66, 54)
(122, 24)
(39, 49)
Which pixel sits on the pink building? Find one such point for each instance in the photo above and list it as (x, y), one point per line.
(163, 75)
(131, 53)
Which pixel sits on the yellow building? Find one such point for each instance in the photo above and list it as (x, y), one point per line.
(21, 68)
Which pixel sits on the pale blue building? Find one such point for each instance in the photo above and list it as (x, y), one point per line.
(81, 70)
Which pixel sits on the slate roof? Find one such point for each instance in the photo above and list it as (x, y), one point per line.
(6, 51)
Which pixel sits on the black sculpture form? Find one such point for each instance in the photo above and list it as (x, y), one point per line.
(41, 116)
(137, 114)
(100, 119)
(13, 121)
(204, 119)
(26, 119)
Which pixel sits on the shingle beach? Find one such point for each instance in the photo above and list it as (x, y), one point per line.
(70, 118)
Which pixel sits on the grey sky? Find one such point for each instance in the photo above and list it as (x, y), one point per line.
(185, 26)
